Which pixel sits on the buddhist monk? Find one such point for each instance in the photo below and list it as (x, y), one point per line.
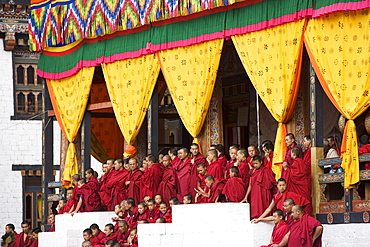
(173, 201)
(165, 212)
(183, 169)
(131, 212)
(169, 186)
(133, 183)
(214, 167)
(151, 177)
(158, 199)
(221, 156)
(268, 148)
(233, 150)
(105, 193)
(195, 159)
(92, 185)
(243, 165)
(142, 210)
(260, 188)
(305, 232)
(296, 177)
(35, 237)
(235, 188)
(61, 205)
(88, 236)
(109, 234)
(22, 238)
(123, 232)
(173, 155)
(153, 211)
(252, 151)
(71, 202)
(98, 235)
(290, 142)
(202, 174)
(75, 179)
(117, 183)
(280, 228)
(213, 192)
(188, 199)
(307, 158)
(279, 198)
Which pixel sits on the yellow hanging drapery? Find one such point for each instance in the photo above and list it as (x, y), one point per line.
(339, 49)
(272, 59)
(130, 86)
(190, 73)
(69, 97)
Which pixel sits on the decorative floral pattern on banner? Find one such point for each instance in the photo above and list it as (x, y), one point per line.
(339, 48)
(69, 97)
(190, 73)
(130, 86)
(272, 59)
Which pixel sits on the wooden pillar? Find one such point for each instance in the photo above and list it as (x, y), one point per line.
(317, 130)
(86, 142)
(152, 116)
(47, 153)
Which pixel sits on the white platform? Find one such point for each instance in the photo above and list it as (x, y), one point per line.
(69, 229)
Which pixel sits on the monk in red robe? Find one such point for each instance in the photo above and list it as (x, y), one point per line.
(174, 158)
(268, 148)
(188, 199)
(290, 142)
(235, 188)
(279, 198)
(75, 179)
(296, 177)
(214, 167)
(93, 186)
(305, 232)
(88, 236)
(109, 234)
(35, 237)
(280, 228)
(260, 188)
(243, 165)
(153, 211)
(119, 182)
(213, 191)
(252, 151)
(98, 235)
(221, 158)
(123, 232)
(151, 177)
(202, 174)
(71, 202)
(165, 212)
(88, 198)
(133, 183)
(22, 238)
(232, 162)
(130, 212)
(142, 211)
(183, 169)
(169, 186)
(195, 159)
(61, 205)
(105, 193)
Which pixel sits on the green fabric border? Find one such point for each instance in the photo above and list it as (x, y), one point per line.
(323, 3)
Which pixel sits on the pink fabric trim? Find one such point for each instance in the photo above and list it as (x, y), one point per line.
(270, 23)
(187, 42)
(92, 63)
(340, 7)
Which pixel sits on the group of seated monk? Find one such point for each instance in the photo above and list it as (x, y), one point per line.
(27, 238)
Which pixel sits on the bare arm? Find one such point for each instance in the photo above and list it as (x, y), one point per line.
(268, 210)
(79, 204)
(317, 233)
(268, 218)
(248, 192)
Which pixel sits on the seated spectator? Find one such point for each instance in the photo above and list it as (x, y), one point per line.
(280, 228)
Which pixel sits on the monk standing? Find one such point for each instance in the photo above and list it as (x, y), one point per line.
(233, 150)
(243, 165)
(151, 178)
(214, 167)
(173, 155)
(133, 183)
(305, 232)
(118, 182)
(105, 193)
(195, 159)
(169, 186)
(290, 142)
(183, 169)
(296, 177)
(260, 188)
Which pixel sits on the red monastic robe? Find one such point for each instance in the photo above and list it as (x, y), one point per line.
(133, 189)
(288, 157)
(229, 164)
(215, 190)
(105, 192)
(234, 189)
(302, 231)
(244, 169)
(153, 215)
(194, 172)
(169, 186)
(223, 161)
(262, 183)
(35, 243)
(113, 237)
(183, 169)
(150, 180)
(20, 241)
(175, 161)
(278, 233)
(215, 170)
(119, 187)
(296, 178)
(167, 216)
(143, 216)
(298, 200)
(90, 198)
(266, 163)
(95, 240)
